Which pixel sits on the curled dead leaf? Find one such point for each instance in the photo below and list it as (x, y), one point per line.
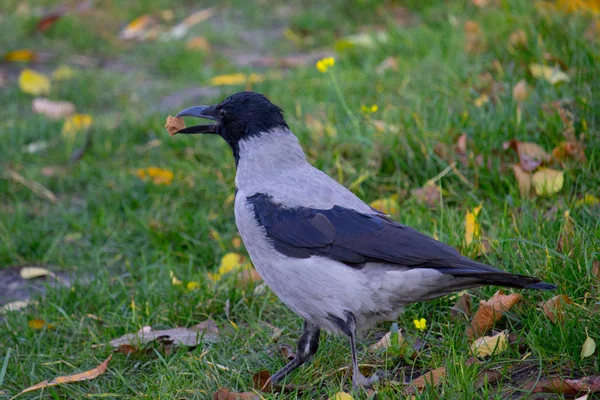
(487, 345)
(433, 378)
(226, 394)
(83, 376)
(205, 331)
(554, 307)
(491, 311)
(174, 124)
(531, 155)
(523, 180)
(572, 149)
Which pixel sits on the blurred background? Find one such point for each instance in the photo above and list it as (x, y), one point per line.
(429, 109)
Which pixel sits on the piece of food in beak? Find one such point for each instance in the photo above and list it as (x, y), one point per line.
(174, 124)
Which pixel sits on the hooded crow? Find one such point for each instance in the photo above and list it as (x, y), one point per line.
(335, 261)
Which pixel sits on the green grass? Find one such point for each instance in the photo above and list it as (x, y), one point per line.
(123, 236)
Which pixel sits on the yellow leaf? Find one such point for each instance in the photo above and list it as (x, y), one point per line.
(76, 123)
(481, 100)
(174, 280)
(552, 75)
(63, 73)
(83, 376)
(21, 55)
(523, 179)
(230, 262)
(35, 83)
(33, 272)
(472, 227)
(193, 285)
(485, 346)
(136, 28)
(235, 79)
(36, 323)
(388, 206)
(342, 396)
(547, 181)
(158, 176)
(588, 348)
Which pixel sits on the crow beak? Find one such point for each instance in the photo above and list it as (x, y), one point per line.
(207, 112)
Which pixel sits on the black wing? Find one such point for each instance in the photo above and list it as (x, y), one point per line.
(354, 238)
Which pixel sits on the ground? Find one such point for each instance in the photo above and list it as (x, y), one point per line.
(435, 71)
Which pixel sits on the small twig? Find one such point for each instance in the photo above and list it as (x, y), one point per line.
(35, 187)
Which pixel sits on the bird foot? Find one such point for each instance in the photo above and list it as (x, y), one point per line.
(360, 381)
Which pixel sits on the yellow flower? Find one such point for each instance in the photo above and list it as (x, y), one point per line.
(369, 110)
(158, 176)
(420, 324)
(76, 123)
(33, 82)
(193, 285)
(324, 64)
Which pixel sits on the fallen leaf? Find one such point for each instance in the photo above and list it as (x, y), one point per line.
(573, 149)
(193, 285)
(547, 181)
(387, 206)
(136, 29)
(518, 39)
(75, 124)
(491, 311)
(341, 396)
(386, 341)
(566, 238)
(487, 345)
(429, 194)
(235, 79)
(554, 385)
(198, 43)
(433, 378)
(487, 376)
(531, 155)
(35, 83)
(588, 348)
(520, 91)
(83, 376)
(63, 73)
(261, 381)
(16, 305)
(34, 272)
(226, 394)
(554, 307)
(552, 75)
(52, 109)
(21, 55)
(523, 180)
(181, 29)
(47, 21)
(206, 332)
(586, 384)
(36, 324)
(126, 349)
(158, 176)
(287, 352)
(462, 307)
(472, 227)
(35, 187)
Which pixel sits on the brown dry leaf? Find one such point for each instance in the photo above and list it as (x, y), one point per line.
(487, 345)
(47, 21)
(569, 387)
(52, 109)
(433, 377)
(518, 39)
(520, 91)
(386, 341)
(206, 331)
(462, 307)
(83, 376)
(547, 181)
(566, 237)
(487, 376)
(429, 194)
(572, 149)
(523, 180)
(474, 43)
(491, 311)
(226, 394)
(287, 352)
(554, 307)
(174, 125)
(261, 381)
(531, 155)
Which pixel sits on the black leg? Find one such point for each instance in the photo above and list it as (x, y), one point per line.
(349, 328)
(307, 347)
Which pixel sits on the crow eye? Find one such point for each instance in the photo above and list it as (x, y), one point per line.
(222, 113)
